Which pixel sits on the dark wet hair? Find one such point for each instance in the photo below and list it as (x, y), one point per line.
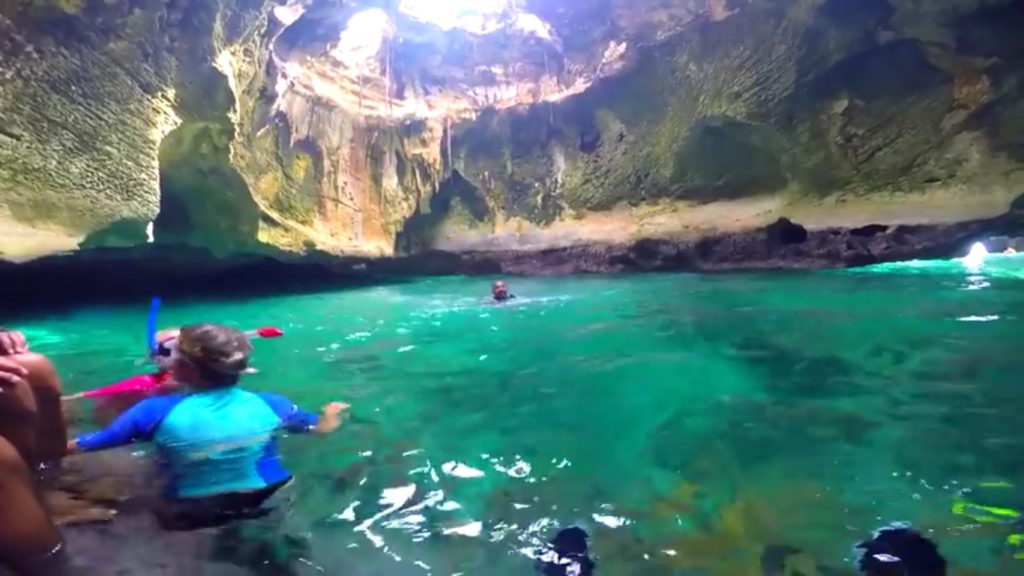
(219, 353)
(900, 552)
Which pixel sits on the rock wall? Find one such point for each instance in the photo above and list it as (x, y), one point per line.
(91, 91)
(836, 113)
(247, 126)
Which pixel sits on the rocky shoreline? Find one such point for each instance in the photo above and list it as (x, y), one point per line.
(111, 275)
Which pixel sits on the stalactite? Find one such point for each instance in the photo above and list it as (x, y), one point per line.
(448, 139)
(387, 79)
(360, 94)
(547, 72)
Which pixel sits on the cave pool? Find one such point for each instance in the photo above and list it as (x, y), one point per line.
(686, 421)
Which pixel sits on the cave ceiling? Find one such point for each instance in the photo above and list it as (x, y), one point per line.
(400, 60)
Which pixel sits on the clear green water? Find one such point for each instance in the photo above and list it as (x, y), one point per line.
(685, 420)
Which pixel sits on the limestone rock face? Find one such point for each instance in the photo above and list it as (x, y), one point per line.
(367, 127)
(89, 92)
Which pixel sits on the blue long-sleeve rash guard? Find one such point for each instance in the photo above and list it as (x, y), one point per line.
(210, 442)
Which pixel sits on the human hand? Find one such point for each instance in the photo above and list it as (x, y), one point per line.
(12, 342)
(330, 417)
(11, 373)
(334, 408)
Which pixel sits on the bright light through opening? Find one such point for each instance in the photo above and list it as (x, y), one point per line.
(363, 37)
(470, 15)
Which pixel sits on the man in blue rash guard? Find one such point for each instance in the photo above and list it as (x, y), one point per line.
(216, 442)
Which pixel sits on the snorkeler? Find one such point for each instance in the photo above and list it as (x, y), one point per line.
(112, 400)
(900, 551)
(29, 414)
(500, 293)
(215, 441)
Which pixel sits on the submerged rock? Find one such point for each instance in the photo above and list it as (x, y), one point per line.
(131, 543)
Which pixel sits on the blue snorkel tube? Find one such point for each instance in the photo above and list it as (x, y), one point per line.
(154, 309)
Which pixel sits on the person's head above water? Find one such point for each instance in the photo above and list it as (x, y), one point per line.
(499, 291)
(208, 356)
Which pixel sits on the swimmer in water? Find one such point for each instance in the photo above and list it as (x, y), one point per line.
(131, 391)
(500, 293)
(216, 440)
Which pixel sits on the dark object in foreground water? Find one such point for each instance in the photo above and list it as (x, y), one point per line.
(567, 555)
(900, 552)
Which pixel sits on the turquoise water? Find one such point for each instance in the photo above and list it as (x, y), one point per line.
(686, 421)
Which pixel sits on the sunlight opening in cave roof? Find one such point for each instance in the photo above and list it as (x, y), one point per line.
(362, 38)
(478, 16)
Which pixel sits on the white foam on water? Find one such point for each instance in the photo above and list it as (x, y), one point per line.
(472, 530)
(611, 521)
(349, 513)
(407, 522)
(392, 499)
(519, 469)
(460, 470)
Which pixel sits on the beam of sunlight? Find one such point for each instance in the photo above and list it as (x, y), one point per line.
(471, 15)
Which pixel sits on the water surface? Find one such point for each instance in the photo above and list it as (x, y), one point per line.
(686, 421)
